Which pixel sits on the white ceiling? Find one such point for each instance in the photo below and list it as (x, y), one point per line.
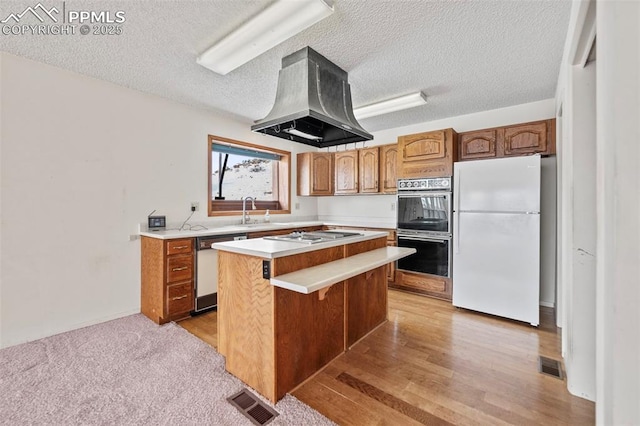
(467, 56)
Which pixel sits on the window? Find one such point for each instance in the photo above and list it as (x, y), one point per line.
(240, 169)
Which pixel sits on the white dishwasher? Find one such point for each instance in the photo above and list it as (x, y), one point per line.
(207, 269)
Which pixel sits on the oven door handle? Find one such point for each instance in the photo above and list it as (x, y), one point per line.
(431, 240)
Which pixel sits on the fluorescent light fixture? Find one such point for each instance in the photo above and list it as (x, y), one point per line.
(280, 21)
(302, 134)
(390, 105)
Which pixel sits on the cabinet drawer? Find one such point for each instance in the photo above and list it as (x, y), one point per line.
(179, 268)
(179, 246)
(179, 298)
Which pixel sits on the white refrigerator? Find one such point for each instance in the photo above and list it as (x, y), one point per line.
(496, 237)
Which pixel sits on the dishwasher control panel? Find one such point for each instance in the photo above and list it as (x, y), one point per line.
(204, 243)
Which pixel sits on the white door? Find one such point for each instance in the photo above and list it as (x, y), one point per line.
(496, 260)
(502, 184)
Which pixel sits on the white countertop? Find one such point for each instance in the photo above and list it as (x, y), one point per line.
(228, 229)
(257, 227)
(318, 277)
(271, 249)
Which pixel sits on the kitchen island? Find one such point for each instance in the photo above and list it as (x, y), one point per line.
(286, 309)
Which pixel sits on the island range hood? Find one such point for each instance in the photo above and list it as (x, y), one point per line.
(313, 103)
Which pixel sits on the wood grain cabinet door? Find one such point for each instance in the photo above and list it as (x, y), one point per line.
(315, 173)
(423, 146)
(429, 154)
(368, 170)
(478, 144)
(388, 166)
(526, 139)
(346, 172)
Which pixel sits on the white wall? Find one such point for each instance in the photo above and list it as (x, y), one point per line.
(580, 294)
(378, 207)
(83, 163)
(618, 183)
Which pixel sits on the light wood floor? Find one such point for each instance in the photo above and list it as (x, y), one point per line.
(434, 364)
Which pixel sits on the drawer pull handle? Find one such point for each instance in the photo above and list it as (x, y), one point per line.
(180, 247)
(180, 269)
(179, 297)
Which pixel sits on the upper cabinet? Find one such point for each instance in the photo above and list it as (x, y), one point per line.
(429, 154)
(358, 171)
(368, 170)
(388, 167)
(508, 141)
(346, 172)
(478, 144)
(530, 138)
(315, 173)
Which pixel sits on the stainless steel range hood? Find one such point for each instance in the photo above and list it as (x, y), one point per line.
(313, 103)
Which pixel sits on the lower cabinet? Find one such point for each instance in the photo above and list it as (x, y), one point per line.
(167, 277)
(429, 285)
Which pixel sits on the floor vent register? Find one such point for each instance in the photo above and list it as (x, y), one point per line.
(550, 367)
(252, 408)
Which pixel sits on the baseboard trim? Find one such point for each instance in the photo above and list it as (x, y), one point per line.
(76, 326)
(547, 304)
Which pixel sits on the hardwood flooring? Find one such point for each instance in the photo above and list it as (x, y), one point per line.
(434, 364)
(204, 326)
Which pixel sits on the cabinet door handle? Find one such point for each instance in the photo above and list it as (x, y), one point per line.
(179, 297)
(180, 269)
(180, 247)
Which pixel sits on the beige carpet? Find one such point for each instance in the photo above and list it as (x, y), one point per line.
(126, 372)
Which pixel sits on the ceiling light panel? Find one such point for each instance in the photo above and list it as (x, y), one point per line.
(280, 21)
(390, 105)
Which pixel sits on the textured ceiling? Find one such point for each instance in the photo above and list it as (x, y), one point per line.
(467, 56)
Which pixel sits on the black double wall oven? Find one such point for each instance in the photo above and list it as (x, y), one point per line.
(424, 223)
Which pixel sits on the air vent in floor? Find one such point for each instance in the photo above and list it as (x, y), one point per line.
(550, 367)
(252, 408)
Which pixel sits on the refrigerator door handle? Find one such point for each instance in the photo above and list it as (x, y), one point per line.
(456, 213)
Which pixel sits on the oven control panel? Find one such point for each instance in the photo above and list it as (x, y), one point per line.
(425, 184)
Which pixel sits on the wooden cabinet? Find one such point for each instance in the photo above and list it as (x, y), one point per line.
(357, 171)
(346, 172)
(529, 138)
(388, 167)
(478, 144)
(429, 154)
(315, 173)
(429, 285)
(508, 141)
(272, 338)
(368, 170)
(167, 275)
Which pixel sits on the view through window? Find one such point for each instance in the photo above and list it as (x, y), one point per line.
(239, 170)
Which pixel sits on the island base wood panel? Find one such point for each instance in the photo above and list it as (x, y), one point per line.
(428, 285)
(246, 321)
(309, 334)
(367, 303)
(273, 338)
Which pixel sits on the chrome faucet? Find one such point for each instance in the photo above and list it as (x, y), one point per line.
(245, 215)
